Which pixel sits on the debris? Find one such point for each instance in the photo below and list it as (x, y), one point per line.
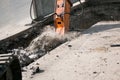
(57, 55)
(115, 45)
(23, 58)
(95, 72)
(37, 64)
(69, 45)
(75, 71)
(118, 63)
(35, 70)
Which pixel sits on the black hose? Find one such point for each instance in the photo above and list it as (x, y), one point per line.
(31, 10)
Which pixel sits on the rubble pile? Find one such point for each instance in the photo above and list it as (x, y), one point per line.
(42, 44)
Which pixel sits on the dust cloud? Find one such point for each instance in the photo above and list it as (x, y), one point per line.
(41, 45)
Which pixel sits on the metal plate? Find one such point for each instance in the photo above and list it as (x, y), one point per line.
(43, 8)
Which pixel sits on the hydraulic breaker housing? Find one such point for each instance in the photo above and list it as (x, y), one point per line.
(62, 16)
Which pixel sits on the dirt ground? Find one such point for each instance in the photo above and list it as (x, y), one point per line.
(88, 57)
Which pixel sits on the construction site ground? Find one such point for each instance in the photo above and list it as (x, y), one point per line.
(87, 57)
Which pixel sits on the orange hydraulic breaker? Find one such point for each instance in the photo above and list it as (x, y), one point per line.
(62, 16)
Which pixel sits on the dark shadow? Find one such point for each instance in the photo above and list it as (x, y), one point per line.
(100, 28)
(115, 45)
(41, 71)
